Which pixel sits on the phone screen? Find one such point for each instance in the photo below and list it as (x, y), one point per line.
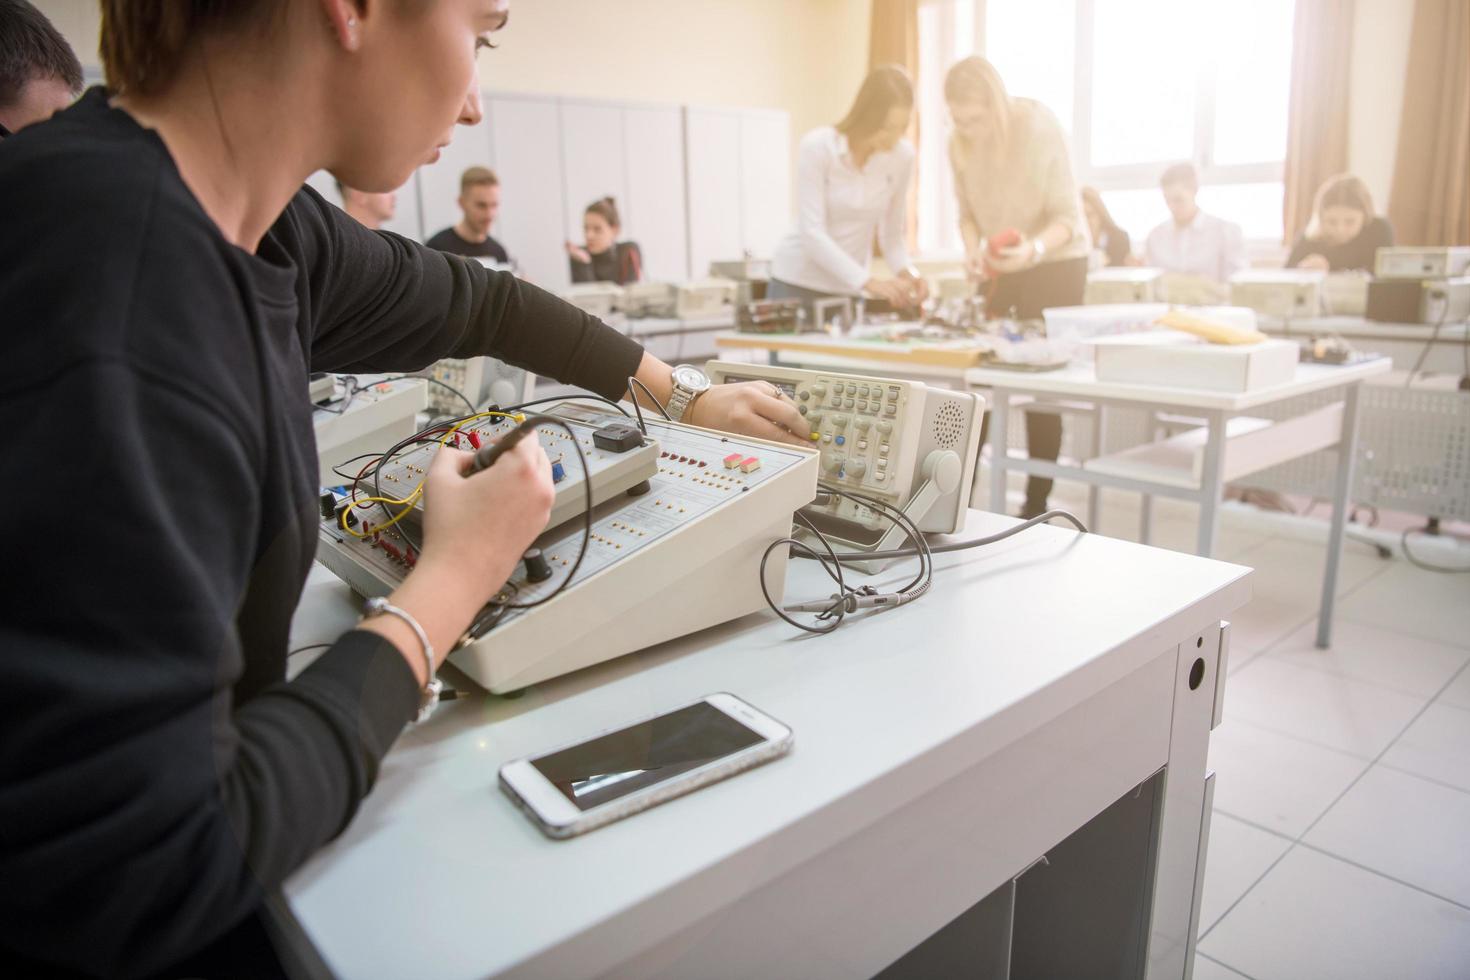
(613, 765)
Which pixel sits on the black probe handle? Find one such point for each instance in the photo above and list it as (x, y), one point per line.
(486, 456)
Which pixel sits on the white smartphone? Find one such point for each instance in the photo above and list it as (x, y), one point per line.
(579, 787)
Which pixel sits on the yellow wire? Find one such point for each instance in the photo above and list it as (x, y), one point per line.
(408, 502)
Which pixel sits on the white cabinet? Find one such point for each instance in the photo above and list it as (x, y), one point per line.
(765, 180)
(656, 216)
(712, 158)
(739, 171)
(526, 136)
(594, 163)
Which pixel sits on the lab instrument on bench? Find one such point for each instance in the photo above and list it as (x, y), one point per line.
(904, 443)
(362, 416)
(676, 542)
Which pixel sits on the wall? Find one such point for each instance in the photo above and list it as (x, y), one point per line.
(1380, 59)
(805, 56)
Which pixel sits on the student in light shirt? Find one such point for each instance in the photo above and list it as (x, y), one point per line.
(852, 185)
(371, 210)
(1013, 177)
(1193, 243)
(1345, 233)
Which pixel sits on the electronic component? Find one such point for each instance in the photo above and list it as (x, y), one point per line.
(1419, 300)
(1422, 262)
(482, 380)
(649, 299)
(364, 417)
(538, 569)
(619, 437)
(680, 557)
(752, 277)
(1124, 284)
(770, 316)
(600, 299)
(320, 387)
(900, 442)
(1283, 293)
(327, 504)
(703, 298)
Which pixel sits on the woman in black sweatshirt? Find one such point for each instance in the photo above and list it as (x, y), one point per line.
(166, 284)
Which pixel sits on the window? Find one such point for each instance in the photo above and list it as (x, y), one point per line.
(1138, 84)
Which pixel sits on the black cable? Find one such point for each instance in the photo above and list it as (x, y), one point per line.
(352, 476)
(656, 403)
(1418, 563)
(642, 425)
(965, 545)
(840, 613)
(586, 396)
(1429, 344)
(349, 384)
(314, 646)
(433, 381)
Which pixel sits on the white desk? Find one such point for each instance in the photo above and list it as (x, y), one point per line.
(1403, 343)
(1281, 442)
(941, 749)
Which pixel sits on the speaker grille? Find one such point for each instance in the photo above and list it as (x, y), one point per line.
(949, 425)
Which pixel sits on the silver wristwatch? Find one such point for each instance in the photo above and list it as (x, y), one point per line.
(689, 383)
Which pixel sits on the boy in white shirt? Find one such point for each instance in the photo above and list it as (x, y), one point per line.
(1193, 243)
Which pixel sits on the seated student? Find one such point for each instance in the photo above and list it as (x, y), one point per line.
(370, 210)
(1344, 233)
(604, 259)
(1191, 242)
(1107, 238)
(39, 72)
(479, 201)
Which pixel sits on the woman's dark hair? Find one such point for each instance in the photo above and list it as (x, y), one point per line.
(31, 48)
(608, 209)
(144, 41)
(886, 88)
(1092, 199)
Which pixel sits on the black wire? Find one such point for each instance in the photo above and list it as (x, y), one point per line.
(656, 403)
(433, 381)
(586, 396)
(642, 425)
(1429, 344)
(965, 545)
(314, 646)
(835, 571)
(352, 476)
(350, 384)
(921, 549)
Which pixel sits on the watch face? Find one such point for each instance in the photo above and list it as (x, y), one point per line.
(691, 377)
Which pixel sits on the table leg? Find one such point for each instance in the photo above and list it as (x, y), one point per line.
(1094, 492)
(1347, 451)
(1145, 518)
(1210, 484)
(999, 440)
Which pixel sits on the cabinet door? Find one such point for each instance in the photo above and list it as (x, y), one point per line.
(712, 155)
(594, 163)
(765, 180)
(439, 181)
(526, 136)
(656, 217)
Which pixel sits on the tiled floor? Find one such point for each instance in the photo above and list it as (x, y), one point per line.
(1340, 841)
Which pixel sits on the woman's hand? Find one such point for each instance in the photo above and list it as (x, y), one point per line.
(1315, 261)
(752, 408)
(476, 528)
(1013, 258)
(578, 253)
(896, 292)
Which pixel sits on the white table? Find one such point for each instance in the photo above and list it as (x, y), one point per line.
(1403, 343)
(942, 748)
(1261, 448)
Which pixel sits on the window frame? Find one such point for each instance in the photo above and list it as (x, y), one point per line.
(1141, 175)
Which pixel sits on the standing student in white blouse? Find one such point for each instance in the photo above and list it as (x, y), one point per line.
(1191, 242)
(852, 184)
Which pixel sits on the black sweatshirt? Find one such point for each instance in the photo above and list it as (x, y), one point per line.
(158, 775)
(1360, 253)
